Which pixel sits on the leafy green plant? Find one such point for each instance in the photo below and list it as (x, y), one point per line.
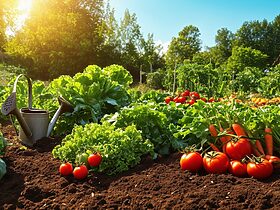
(154, 124)
(120, 148)
(93, 93)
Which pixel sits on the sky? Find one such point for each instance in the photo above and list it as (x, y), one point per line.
(166, 18)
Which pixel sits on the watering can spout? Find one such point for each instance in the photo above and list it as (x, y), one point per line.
(65, 106)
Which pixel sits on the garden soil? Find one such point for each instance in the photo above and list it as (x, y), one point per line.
(33, 182)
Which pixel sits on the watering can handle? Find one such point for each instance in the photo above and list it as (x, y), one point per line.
(29, 89)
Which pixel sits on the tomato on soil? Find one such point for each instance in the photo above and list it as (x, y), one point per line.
(237, 150)
(65, 169)
(237, 168)
(191, 162)
(94, 160)
(215, 162)
(80, 172)
(260, 170)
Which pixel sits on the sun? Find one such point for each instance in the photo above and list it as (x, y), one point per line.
(23, 7)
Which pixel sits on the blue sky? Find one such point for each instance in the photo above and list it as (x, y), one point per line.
(165, 18)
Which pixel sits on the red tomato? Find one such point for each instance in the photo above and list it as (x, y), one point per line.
(204, 99)
(80, 172)
(260, 170)
(168, 99)
(186, 93)
(274, 160)
(191, 102)
(176, 99)
(210, 100)
(237, 168)
(181, 100)
(94, 160)
(191, 162)
(239, 149)
(65, 169)
(215, 162)
(194, 95)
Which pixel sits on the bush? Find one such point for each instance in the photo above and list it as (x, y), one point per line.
(155, 79)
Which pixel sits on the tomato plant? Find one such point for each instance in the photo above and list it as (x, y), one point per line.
(215, 162)
(94, 160)
(260, 169)
(191, 162)
(237, 168)
(237, 150)
(80, 172)
(65, 169)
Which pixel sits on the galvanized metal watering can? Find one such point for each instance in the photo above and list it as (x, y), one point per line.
(34, 123)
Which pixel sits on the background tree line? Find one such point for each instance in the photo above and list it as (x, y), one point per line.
(63, 37)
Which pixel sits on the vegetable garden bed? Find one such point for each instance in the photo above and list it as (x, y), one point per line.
(33, 182)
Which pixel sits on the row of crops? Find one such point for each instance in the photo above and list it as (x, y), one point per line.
(122, 124)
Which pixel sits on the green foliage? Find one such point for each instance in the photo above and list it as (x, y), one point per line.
(183, 47)
(154, 123)
(155, 79)
(261, 35)
(269, 84)
(203, 78)
(248, 80)
(245, 57)
(93, 93)
(61, 38)
(120, 148)
(119, 74)
(196, 120)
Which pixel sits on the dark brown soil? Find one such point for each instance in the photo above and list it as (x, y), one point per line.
(33, 182)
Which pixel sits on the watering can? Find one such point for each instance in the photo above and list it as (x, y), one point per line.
(34, 123)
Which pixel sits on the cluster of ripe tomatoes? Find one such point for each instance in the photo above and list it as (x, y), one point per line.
(81, 171)
(187, 97)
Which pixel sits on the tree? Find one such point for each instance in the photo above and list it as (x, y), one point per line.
(275, 48)
(245, 57)
(257, 35)
(7, 17)
(131, 38)
(110, 49)
(184, 46)
(151, 57)
(59, 37)
(224, 39)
